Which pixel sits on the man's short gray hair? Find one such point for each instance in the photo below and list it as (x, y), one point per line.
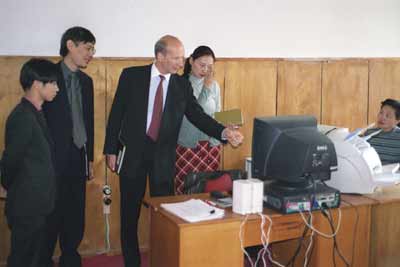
(162, 43)
(160, 46)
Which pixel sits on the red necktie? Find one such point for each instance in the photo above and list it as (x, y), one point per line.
(157, 112)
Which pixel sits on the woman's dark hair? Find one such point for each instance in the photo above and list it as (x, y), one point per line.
(198, 52)
(394, 104)
(37, 69)
(77, 35)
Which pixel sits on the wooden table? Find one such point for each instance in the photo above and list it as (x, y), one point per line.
(385, 228)
(175, 243)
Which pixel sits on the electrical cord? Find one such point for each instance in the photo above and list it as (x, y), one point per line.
(292, 260)
(107, 237)
(334, 243)
(106, 215)
(336, 249)
(355, 225)
(319, 232)
(312, 250)
(308, 222)
(265, 241)
(312, 200)
(309, 248)
(354, 230)
(241, 240)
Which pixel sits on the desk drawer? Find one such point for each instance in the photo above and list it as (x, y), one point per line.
(283, 228)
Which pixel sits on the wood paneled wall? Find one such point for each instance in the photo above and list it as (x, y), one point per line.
(345, 93)
(299, 88)
(384, 81)
(251, 86)
(342, 92)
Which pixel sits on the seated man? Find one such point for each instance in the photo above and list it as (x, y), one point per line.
(387, 141)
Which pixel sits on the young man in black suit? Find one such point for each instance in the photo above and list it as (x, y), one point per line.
(71, 121)
(145, 117)
(28, 172)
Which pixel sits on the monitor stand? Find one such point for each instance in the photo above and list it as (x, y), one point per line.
(292, 198)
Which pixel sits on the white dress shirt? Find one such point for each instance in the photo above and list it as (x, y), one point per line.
(154, 81)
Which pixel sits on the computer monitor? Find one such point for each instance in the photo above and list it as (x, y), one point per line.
(290, 151)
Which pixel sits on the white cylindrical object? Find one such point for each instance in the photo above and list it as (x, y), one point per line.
(257, 195)
(242, 199)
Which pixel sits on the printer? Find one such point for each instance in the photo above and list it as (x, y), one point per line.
(359, 167)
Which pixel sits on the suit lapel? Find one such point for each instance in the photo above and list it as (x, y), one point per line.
(84, 97)
(145, 89)
(45, 129)
(62, 92)
(146, 85)
(168, 112)
(40, 119)
(81, 81)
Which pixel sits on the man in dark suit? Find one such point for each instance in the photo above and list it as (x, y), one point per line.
(28, 174)
(71, 121)
(145, 118)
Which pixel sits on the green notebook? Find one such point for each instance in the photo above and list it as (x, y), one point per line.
(229, 117)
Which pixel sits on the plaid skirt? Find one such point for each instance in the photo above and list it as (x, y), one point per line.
(202, 158)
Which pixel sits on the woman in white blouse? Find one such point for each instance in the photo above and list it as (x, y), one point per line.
(196, 151)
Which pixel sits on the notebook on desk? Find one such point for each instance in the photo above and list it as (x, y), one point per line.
(194, 210)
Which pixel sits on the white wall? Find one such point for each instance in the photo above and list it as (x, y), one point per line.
(233, 28)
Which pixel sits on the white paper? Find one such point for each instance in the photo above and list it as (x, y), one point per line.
(194, 210)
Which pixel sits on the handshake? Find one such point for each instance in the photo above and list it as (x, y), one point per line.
(232, 135)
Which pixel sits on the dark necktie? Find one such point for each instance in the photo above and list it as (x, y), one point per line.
(157, 112)
(78, 125)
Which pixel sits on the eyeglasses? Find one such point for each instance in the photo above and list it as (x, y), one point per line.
(90, 49)
(205, 66)
(87, 46)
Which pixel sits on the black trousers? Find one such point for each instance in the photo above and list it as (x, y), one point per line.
(132, 189)
(27, 241)
(67, 222)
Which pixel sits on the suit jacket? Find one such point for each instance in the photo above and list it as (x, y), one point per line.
(28, 163)
(128, 119)
(59, 120)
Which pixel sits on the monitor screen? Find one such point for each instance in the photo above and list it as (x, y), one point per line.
(291, 150)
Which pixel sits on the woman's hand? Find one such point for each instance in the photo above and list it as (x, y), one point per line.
(209, 78)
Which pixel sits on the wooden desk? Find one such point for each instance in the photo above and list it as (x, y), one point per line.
(385, 228)
(174, 242)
